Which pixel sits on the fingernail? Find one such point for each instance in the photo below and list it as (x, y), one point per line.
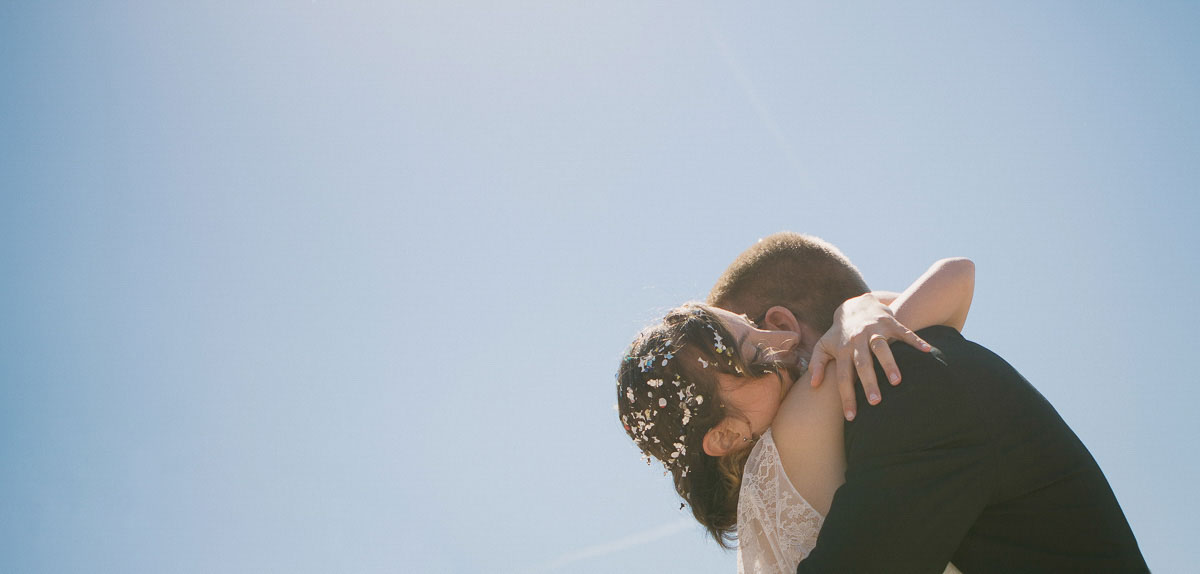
(894, 378)
(926, 346)
(849, 415)
(874, 398)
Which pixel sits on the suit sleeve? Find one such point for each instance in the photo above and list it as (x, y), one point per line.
(918, 474)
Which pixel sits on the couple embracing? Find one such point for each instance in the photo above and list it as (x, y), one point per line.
(945, 459)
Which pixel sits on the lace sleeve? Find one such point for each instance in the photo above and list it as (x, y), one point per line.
(777, 528)
(757, 551)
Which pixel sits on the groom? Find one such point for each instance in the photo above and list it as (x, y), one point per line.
(964, 462)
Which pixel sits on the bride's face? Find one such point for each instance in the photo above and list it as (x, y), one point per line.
(757, 397)
(755, 344)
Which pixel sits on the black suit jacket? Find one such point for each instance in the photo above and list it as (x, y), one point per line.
(966, 462)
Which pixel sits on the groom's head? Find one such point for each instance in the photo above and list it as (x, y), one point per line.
(803, 273)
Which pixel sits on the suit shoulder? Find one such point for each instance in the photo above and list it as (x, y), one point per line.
(932, 401)
(941, 333)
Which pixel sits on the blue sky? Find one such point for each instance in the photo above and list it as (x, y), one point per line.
(341, 286)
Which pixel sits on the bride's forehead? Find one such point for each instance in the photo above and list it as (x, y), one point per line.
(732, 320)
(738, 326)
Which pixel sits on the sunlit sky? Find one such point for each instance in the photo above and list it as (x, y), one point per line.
(341, 286)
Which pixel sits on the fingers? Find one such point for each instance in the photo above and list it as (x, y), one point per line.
(912, 339)
(845, 383)
(866, 373)
(879, 346)
(816, 366)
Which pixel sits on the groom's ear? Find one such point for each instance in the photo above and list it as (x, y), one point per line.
(779, 318)
(719, 440)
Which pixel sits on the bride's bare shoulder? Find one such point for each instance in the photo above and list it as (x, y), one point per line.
(806, 414)
(808, 433)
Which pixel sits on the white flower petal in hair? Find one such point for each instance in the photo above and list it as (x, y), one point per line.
(629, 394)
(702, 362)
(655, 383)
(718, 343)
(662, 403)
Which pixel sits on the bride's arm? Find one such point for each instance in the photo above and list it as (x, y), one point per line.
(863, 325)
(942, 296)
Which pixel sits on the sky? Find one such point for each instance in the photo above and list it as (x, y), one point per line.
(341, 286)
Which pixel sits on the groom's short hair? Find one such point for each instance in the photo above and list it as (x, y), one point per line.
(806, 274)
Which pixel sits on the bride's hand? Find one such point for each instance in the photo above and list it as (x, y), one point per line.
(861, 325)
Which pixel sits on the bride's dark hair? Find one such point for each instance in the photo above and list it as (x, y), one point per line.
(667, 398)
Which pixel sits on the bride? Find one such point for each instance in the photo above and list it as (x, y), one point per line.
(753, 441)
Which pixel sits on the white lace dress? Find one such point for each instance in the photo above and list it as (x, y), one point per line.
(776, 526)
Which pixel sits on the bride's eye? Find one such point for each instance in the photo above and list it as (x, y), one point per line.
(750, 352)
(759, 353)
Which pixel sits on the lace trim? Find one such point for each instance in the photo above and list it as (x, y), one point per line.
(777, 527)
